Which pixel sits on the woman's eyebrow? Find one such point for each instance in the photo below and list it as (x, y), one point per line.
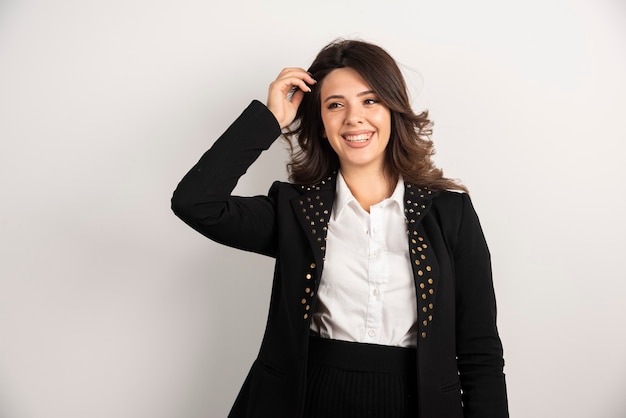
(339, 96)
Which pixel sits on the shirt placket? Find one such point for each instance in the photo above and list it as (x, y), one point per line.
(377, 278)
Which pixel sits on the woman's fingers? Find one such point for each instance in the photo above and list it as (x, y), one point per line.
(298, 76)
(286, 93)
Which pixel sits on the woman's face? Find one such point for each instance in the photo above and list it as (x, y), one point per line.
(356, 124)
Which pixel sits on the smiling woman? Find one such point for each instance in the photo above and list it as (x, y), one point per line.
(356, 124)
(375, 72)
(382, 301)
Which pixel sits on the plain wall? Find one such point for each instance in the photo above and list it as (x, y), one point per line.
(111, 307)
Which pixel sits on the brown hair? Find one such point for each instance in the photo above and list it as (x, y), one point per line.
(409, 150)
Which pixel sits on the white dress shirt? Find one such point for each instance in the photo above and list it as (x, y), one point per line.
(367, 291)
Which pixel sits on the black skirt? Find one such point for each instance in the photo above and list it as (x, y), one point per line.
(356, 380)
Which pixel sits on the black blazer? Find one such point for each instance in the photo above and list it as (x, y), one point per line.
(460, 364)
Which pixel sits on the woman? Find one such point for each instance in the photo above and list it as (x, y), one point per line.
(382, 302)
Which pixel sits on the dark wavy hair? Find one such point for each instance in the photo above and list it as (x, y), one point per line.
(410, 148)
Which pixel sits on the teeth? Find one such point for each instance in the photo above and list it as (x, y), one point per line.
(357, 138)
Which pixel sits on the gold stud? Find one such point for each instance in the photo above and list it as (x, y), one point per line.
(312, 265)
(423, 334)
(430, 281)
(303, 301)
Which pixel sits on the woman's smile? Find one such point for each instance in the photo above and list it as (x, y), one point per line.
(357, 138)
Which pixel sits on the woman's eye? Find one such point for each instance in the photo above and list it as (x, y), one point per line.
(334, 105)
(371, 101)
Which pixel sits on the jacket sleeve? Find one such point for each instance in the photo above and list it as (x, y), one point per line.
(479, 349)
(203, 197)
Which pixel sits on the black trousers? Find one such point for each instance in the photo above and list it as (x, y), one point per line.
(356, 380)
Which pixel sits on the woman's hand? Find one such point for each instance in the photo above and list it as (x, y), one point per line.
(286, 93)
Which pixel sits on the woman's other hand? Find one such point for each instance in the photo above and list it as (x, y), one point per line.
(286, 93)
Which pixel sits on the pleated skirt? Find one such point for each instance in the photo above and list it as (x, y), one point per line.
(356, 380)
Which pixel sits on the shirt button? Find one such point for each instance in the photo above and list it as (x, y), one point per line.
(376, 292)
(371, 333)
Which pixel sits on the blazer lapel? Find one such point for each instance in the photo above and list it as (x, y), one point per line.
(417, 202)
(312, 209)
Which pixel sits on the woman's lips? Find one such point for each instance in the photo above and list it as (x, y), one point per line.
(357, 137)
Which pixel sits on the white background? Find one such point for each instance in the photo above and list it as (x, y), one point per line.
(110, 307)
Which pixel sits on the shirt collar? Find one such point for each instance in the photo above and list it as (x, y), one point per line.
(398, 194)
(343, 196)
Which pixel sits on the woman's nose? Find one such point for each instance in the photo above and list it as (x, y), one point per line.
(353, 116)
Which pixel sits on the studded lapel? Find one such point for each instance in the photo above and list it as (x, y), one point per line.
(417, 202)
(312, 209)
